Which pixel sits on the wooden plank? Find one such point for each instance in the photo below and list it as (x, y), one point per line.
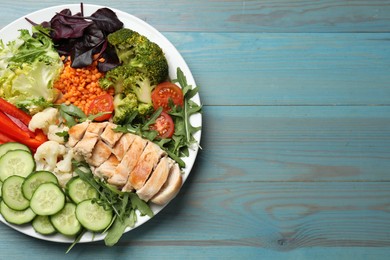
(288, 143)
(241, 16)
(250, 218)
(288, 69)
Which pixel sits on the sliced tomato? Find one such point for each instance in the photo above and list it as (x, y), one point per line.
(101, 104)
(164, 125)
(164, 92)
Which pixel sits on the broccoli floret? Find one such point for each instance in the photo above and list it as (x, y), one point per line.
(127, 79)
(116, 78)
(138, 51)
(127, 107)
(143, 66)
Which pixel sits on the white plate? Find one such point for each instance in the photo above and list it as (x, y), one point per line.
(10, 32)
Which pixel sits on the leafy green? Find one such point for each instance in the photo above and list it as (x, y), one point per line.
(29, 67)
(124, 204)
(73, 115)
(183, 137)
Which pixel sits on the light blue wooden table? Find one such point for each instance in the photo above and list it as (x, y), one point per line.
(296, 133)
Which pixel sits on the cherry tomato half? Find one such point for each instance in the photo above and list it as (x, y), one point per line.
(102, 103)
(164, 125)
(165, 91)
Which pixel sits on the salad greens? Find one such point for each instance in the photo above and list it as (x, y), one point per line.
(29, 66)
(123, 204)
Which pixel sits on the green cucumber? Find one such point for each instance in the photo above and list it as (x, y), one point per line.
(12, 193)
(78, 190)
(17, 217)
(65, 220)
(6, 147)
(16, 162)
(48, 199)
(35, 179)
(93, 216)
(42, 225)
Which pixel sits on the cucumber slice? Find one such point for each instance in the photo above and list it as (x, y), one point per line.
(12, 193)
(35, 179)
(93, 216)
(16, 162)
(48, 199)
(65, 220)
(18, 217)
(42, 225)
(1, 187)
(4, 148)
(79, 190)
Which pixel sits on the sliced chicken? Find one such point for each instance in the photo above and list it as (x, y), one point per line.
(101, 152)
(96, 128)
(170, 188)
(76, 133)
(156, 180)
(107, 169)
(146, 163)
(85, 146)
(128, 162)
(109, 136)
(123, 145)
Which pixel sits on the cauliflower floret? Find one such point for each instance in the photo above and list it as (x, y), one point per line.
(63, 170)
(42, 120)
(56, 158)
(47, 155)
(52, 133)
(65, 165)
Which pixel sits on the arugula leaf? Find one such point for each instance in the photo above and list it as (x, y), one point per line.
(74, 115)
(178, 145)
(184, 130)
(124, 204)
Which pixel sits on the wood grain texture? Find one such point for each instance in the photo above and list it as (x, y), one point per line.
(238, 15)
(291, 143)
(288, 69)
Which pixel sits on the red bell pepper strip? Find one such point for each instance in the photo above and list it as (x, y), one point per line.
(12, 110)
(5, 139)
(10, 129)
(21, 125)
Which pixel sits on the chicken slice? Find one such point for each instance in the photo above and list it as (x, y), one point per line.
(170, 188)
(97, 128)
(121, 174)
(85, 146)
(156, 180)
(77, 132)
(123, 145)
(100, 153)
(107, 169)
(145, 165)
(110, 136)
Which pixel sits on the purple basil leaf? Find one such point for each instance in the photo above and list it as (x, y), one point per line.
(65, 25)
(81, 56)
(93, 36)
(111, 60)
(106, 20)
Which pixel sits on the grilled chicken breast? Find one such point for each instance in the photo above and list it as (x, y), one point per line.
(156, 180)
(76, 133)
(127, 161)
(146, 163)
(170, 188)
